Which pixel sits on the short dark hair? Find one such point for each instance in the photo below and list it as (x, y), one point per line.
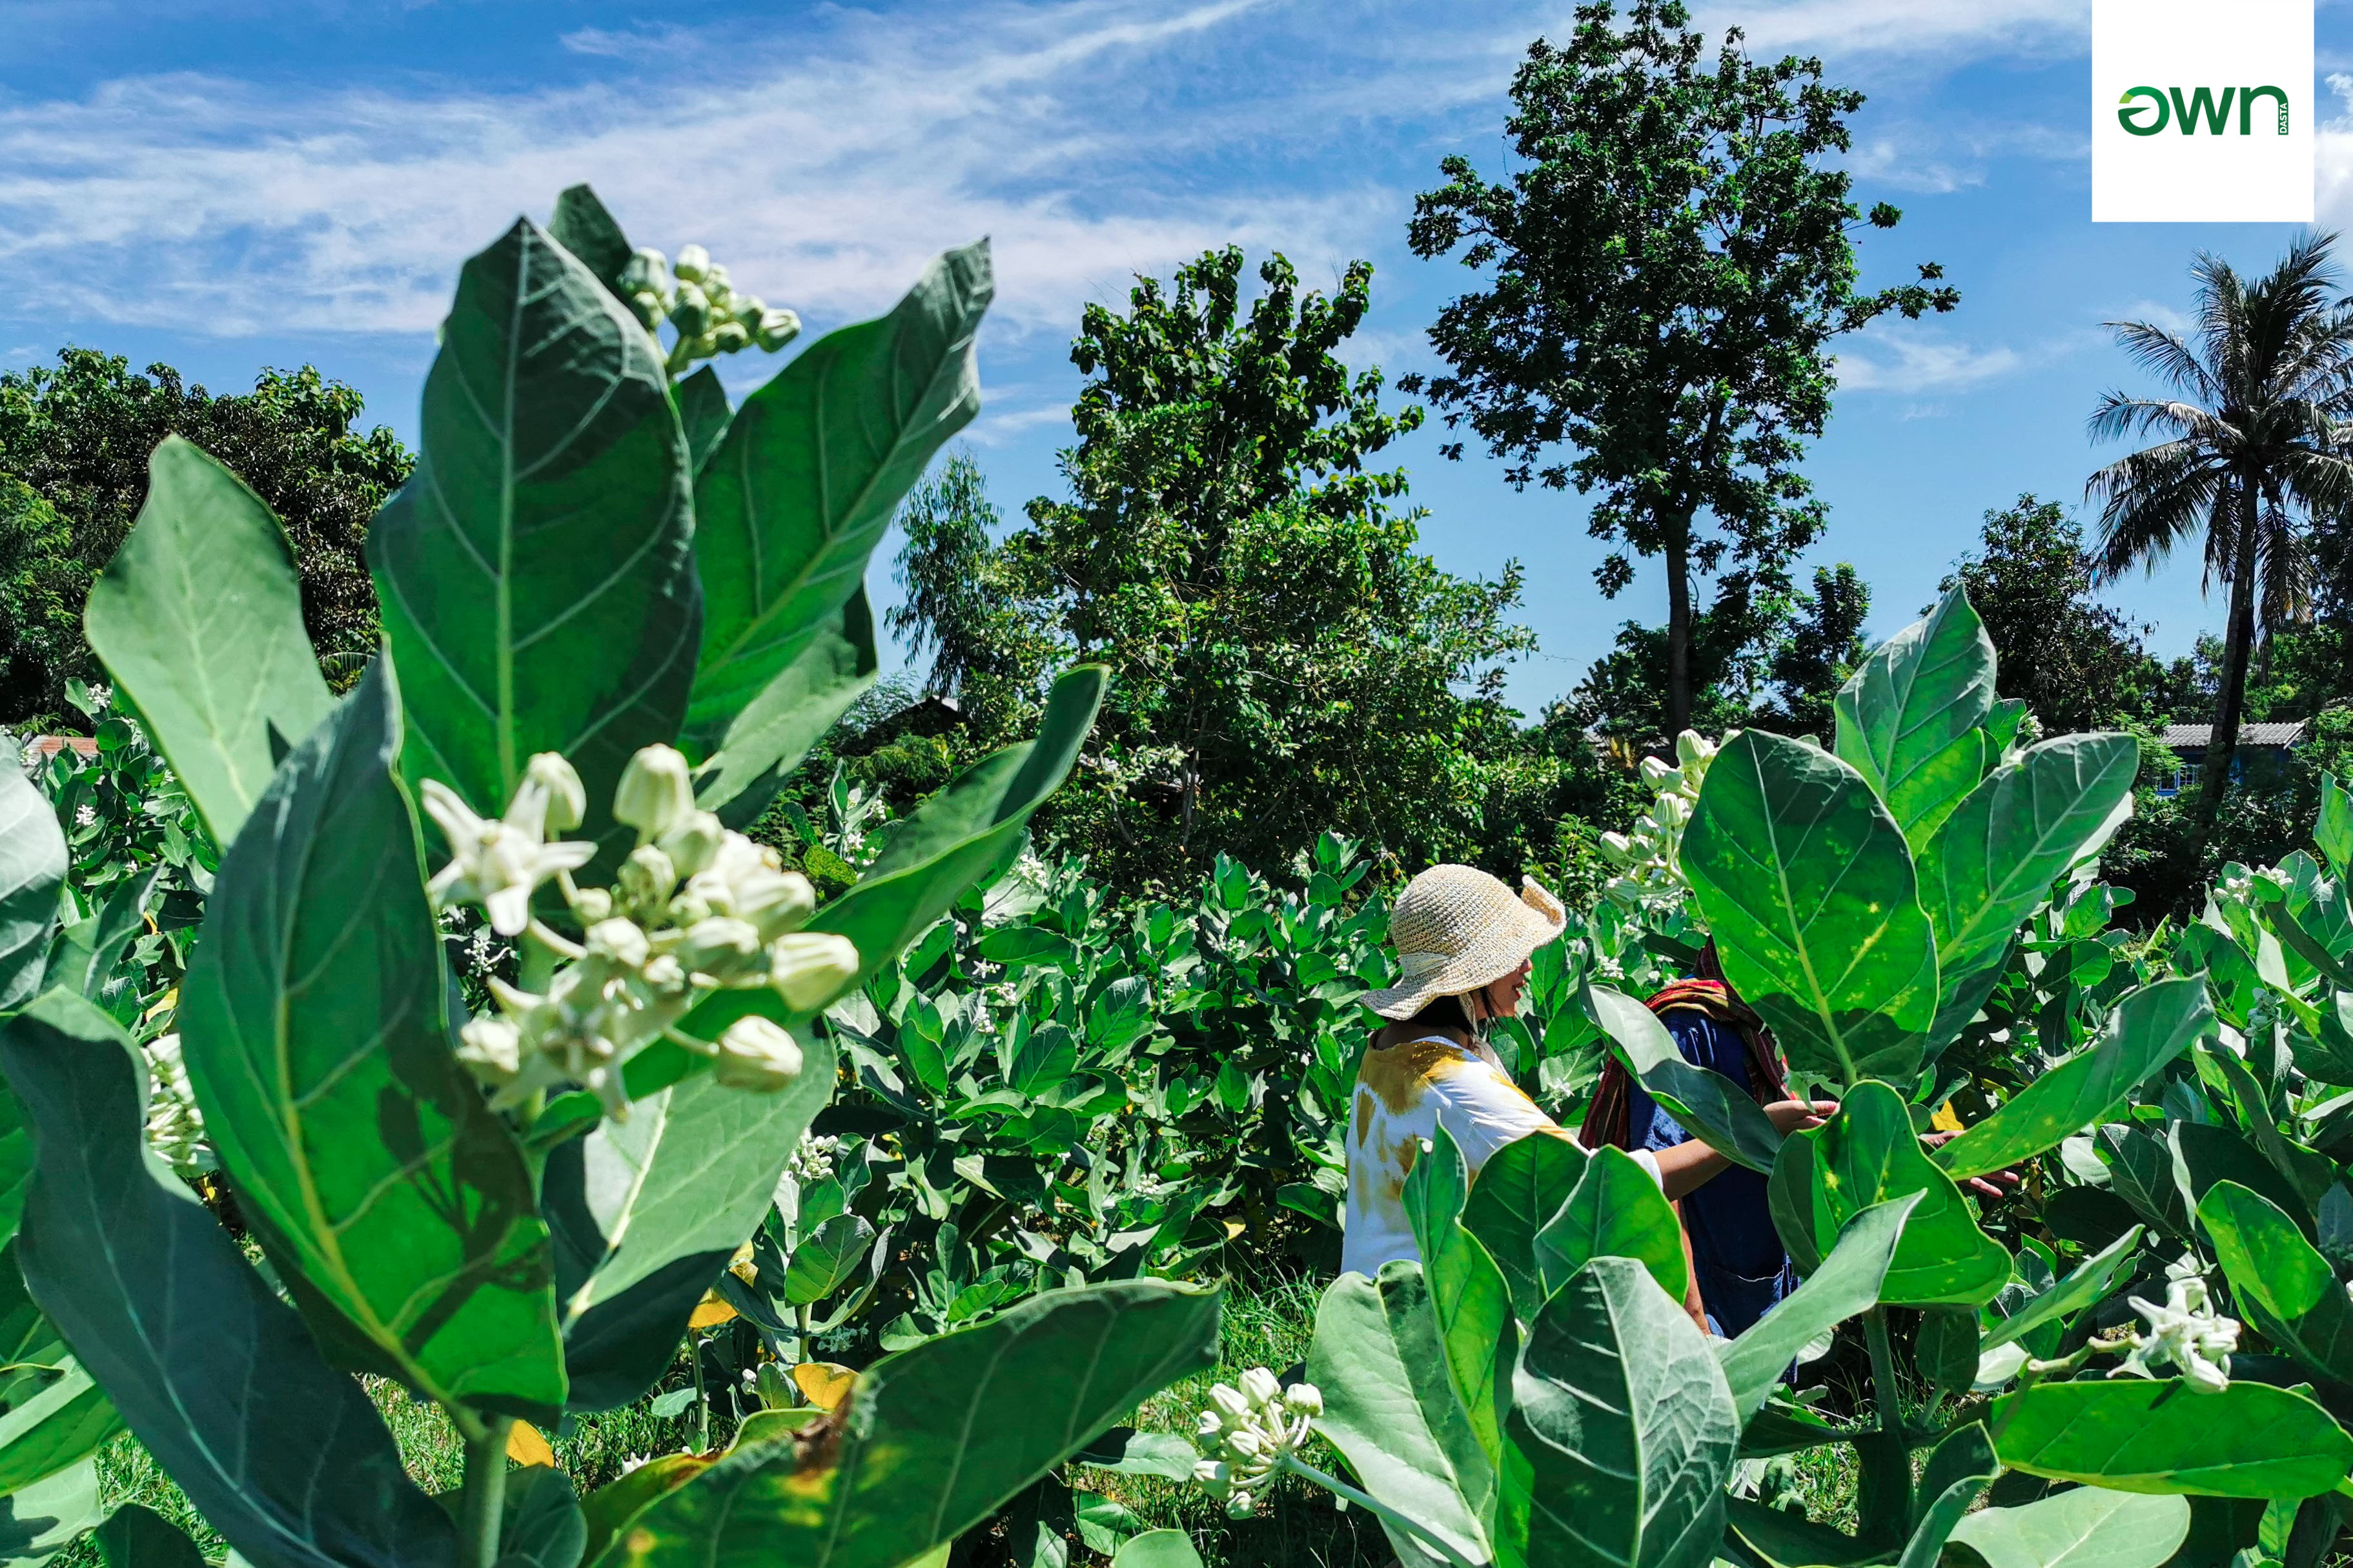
(1444, 1012)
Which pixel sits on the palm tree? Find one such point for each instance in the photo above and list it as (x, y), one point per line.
(2253, 450)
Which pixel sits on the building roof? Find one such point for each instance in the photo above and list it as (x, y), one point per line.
(2196, 737)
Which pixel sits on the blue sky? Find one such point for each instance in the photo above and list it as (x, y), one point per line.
(226, 183)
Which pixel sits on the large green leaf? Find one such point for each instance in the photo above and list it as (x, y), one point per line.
(535, 573)
(1706, 1104)
(582, 226)
(1616, 1210)
(804, 481)
(2085, 1284)
(2280, 1279)
(1391, 1409)
(2205, 1153)
(1520, 1188)
(953, 840)
(1846, 1283)
(199, 617)
(2307, 1170)
(1908, 720)
(1959, 1470)
(2140, 1172)
(647, 1213)
(137, 1537)
(312, 1026)
(935, 1438)
(703, 412)
(1992, 861)
(55, 1414)
(2090, 1526)
(43, 1519)
(1476, 1324)
(2134, 1434)
(792, 714)
(2332, 832)
(1805, 882)
(1868, 1154)
(2149, 1027)
(32, 869)
(1621, 1427)
(286, 1457)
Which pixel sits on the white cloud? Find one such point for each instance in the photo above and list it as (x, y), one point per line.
(827, 155)
(1947, 31)
(1911, 364)
(824, 175)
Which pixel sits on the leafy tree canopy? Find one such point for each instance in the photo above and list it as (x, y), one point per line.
(1665, 272)
(2078, 664)
(1284, 659)
(74, 442)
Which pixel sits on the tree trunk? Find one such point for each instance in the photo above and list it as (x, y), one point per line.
(1679, 631)
(2223, 743)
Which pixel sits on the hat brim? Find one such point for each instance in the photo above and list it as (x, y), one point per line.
(1496, 953)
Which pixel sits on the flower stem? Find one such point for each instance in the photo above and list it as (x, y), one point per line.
(483, 1509)
(1380, 1510)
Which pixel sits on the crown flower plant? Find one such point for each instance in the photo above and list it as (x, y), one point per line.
(619, 611)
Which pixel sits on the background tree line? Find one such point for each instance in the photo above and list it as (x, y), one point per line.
(1658, 278)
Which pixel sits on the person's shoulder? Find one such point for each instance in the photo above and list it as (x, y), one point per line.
(1403, 1073)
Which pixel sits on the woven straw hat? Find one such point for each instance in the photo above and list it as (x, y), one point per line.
(1457, 929)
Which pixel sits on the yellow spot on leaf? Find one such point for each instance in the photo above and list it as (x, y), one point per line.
(526, 1447)
(712, 1312)
(1944, 1120)
(824, 1384)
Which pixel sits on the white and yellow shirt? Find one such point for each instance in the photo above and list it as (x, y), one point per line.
(1404, 1093)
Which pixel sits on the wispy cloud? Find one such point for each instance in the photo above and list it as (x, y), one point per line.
(831, 153)
(1913, 362)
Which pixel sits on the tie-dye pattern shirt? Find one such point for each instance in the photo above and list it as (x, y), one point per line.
(1404, 1093)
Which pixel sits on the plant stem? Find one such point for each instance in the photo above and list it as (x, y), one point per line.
(483, 1509)
(701, 1401)
(1380, 1510)
(1883, 1371)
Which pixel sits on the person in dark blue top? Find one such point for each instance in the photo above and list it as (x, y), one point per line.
(1739, 1267)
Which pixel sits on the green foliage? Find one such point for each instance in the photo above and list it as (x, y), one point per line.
(74, 444)
(538, 1249)
(1688, 377)
(1283, 659)
(2076, 663)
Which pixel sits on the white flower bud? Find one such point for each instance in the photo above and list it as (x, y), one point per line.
(646, 878)
(777, 329)
(693, 842)
(1260, 1387)
(1305, 1398)
(692, 262)
(618, 942)
(591, 904)
(491, 1047)
(723, 948)
(1656, 773)
(809, 969)
(754, 1054)
(1231, 1401)
(567, 802)
(648, 271)
(690, 312)
(656, 792)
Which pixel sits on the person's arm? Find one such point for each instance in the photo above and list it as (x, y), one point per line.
(1692, 1164)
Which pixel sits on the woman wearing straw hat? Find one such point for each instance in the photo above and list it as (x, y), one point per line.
(1464, 942)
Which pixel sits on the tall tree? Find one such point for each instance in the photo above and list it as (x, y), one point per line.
(1672, 261)
(2076, 663)
(1284, 659)
(962, 604)
(2252, 450)
(74, 440)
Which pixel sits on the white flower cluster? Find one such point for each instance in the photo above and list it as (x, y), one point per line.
(1648, 861)
(1252, 1429)
(696, 908)
(694, 296)
(175, 1129)
(812, 1159)
(2185, 1334)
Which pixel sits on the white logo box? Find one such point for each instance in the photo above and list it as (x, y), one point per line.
(2247, 174)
